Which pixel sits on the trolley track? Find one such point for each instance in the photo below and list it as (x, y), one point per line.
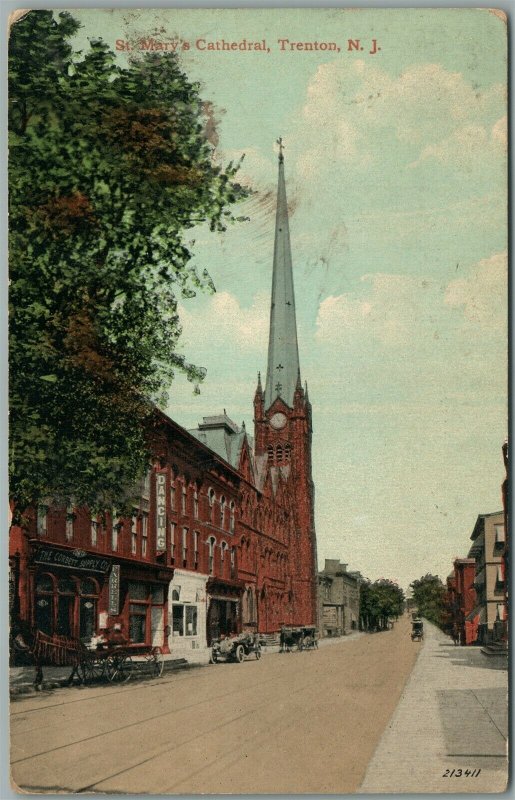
(213, 730)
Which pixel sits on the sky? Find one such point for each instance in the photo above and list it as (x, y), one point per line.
(397, 185)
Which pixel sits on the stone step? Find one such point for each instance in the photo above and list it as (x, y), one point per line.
(495, 649)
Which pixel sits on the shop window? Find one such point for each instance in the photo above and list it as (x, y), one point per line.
(184, 620)
(42, 515)
(88, 608)
(157, 594)
(178, 620)
(191, 620)
(137, 623)
(138, 591)
(45, 603)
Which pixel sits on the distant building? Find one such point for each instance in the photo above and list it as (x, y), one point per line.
(488, 539)
(465, 598)
(505, 555)
(338, 592)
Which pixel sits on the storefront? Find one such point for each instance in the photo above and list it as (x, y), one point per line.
(67, 587)
(187, 604)
(80, 594)
(224, 608)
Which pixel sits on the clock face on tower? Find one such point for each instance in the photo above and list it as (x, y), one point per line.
(278, 421)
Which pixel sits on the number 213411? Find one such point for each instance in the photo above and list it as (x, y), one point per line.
(461, 773)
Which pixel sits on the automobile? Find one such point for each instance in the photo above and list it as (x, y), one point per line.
(235, 648)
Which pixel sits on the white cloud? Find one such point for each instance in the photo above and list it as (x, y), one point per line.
(460, 148)
(225, 323)
(389, 311)
(425, 107)
(483, 293)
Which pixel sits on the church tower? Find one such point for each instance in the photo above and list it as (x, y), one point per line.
(282, 416)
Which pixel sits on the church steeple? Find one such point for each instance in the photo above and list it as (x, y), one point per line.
(283, 352)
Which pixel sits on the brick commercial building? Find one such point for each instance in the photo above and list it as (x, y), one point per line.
(221, 535)
(464, 601)
(338, 592)
(488, 538)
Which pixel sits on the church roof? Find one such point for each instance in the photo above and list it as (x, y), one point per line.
(223, 436)
(283, 352)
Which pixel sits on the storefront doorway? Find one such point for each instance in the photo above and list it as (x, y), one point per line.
(222, 618)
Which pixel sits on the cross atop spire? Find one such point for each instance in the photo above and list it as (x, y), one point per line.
(283, 353)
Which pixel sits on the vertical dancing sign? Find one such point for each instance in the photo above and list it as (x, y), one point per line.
(160, 511)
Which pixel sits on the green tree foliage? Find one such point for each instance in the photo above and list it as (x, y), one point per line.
(380, 602)
(428, 596)
(109, 168)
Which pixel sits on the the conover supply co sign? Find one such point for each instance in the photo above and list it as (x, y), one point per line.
(160, 511)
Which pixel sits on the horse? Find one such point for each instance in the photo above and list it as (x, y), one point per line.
(41, 650)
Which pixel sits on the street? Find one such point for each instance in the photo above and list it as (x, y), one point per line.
(308, 722)
(292, 722)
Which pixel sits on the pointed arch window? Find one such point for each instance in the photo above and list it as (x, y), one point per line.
(231, 516)
(279, 453)
(172, 541)
(184, 546)
(211, 554)
(70, 519)
(270, 454)
(222, 511)
(42, 515)
(211, 500)
(195, 503)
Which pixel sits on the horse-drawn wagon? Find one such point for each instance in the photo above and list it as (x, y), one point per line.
(104, 661)
(300, 638)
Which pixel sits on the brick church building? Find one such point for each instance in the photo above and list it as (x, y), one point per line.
(221, 537)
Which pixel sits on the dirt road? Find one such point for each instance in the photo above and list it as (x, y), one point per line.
(298, 722)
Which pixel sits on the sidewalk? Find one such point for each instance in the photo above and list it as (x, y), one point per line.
(452, 716)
